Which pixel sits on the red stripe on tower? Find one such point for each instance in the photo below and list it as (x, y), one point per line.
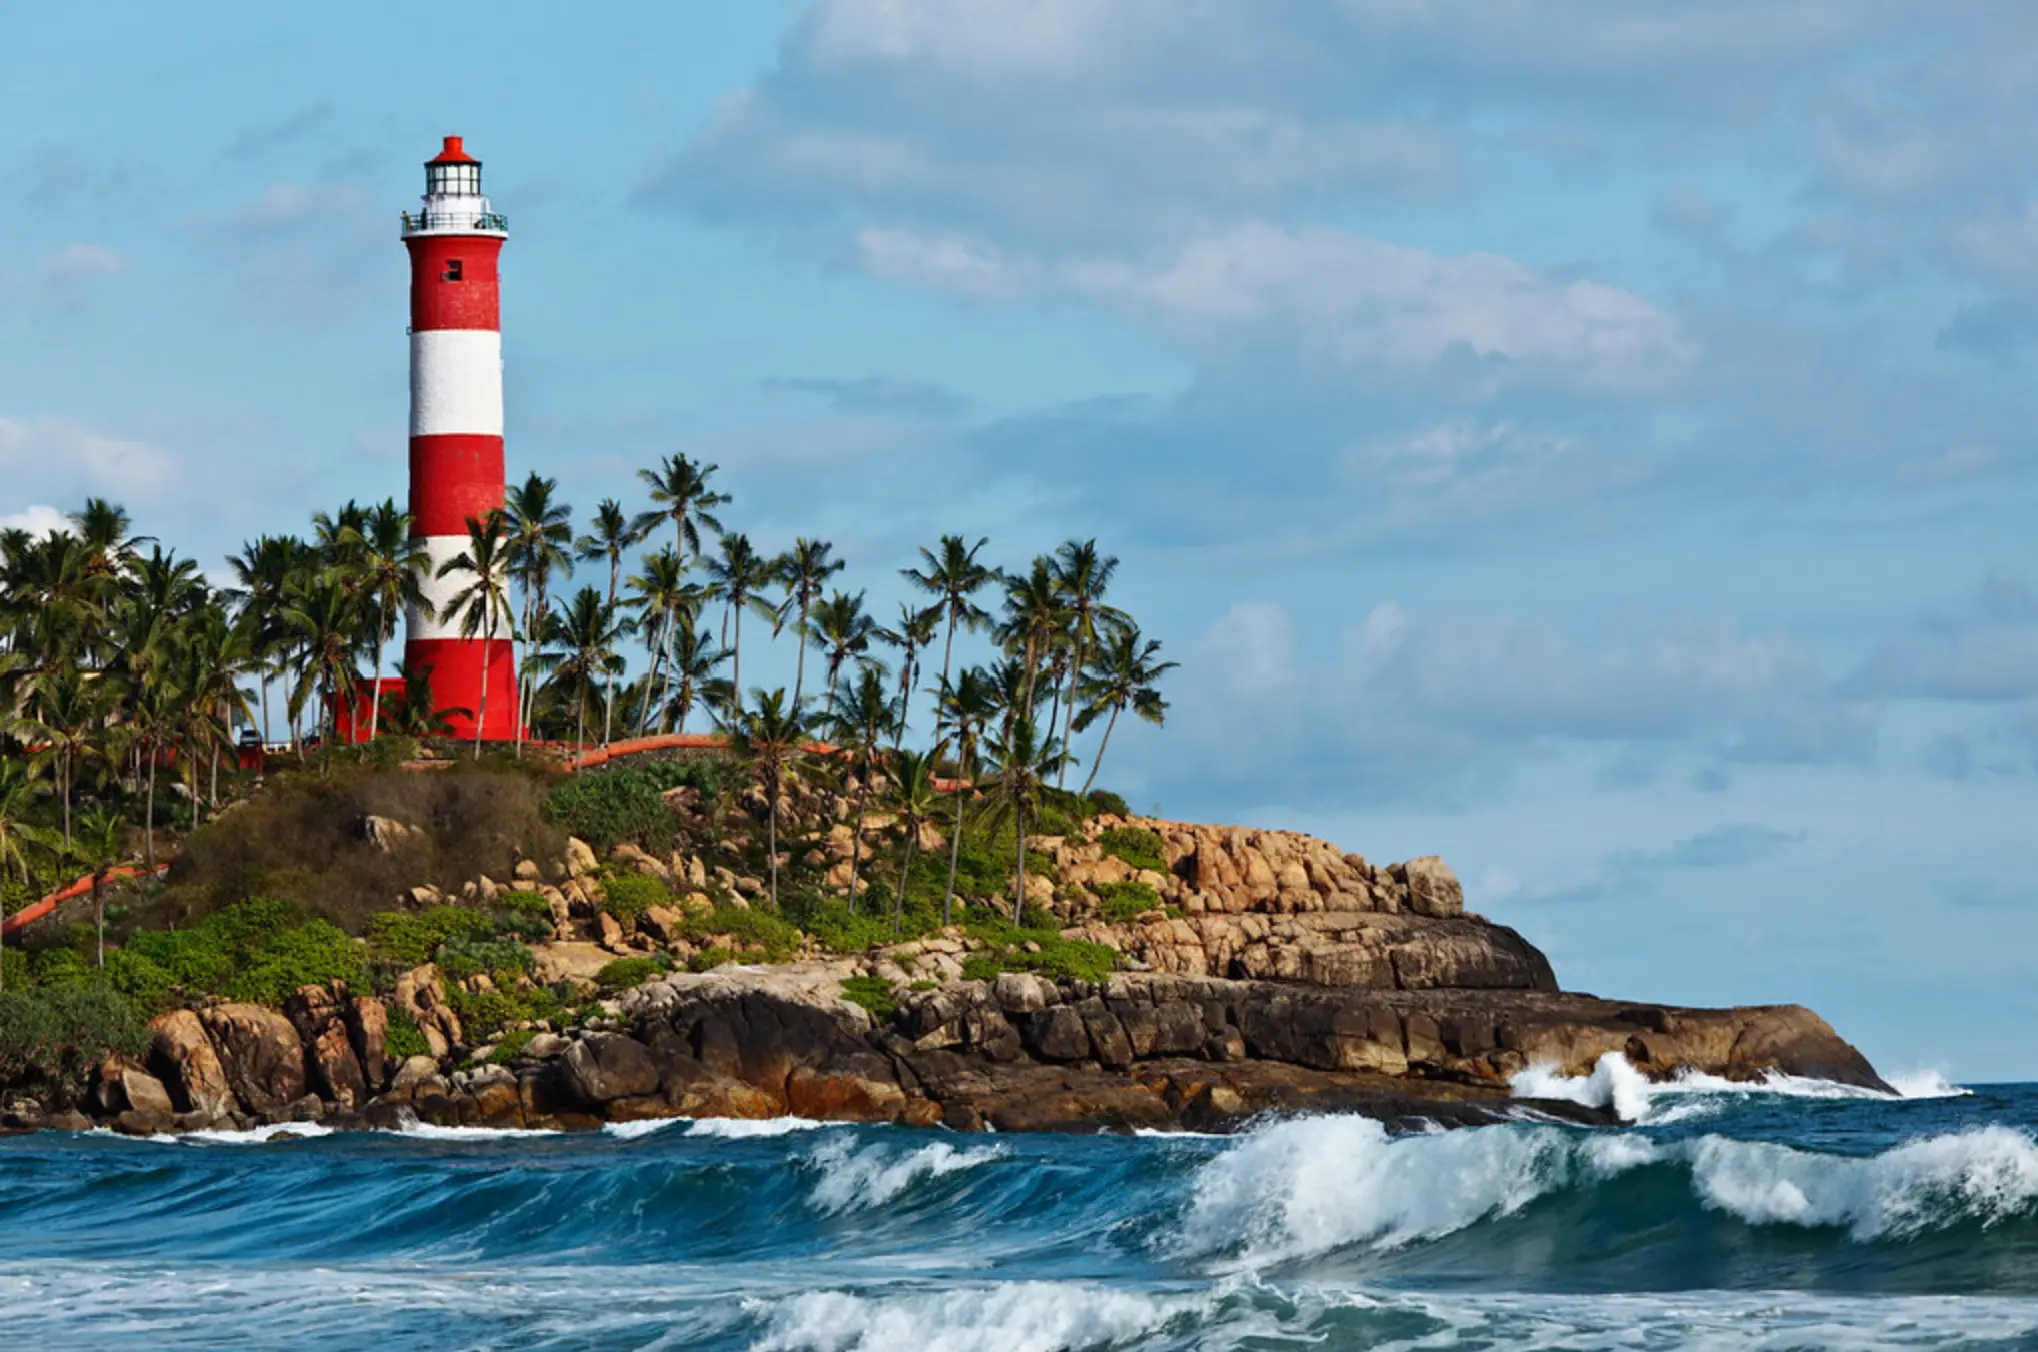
(456, 461)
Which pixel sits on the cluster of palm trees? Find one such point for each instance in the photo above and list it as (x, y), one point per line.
(120, 660)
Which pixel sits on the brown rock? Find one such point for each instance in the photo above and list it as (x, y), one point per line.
(261, 1053)
(1433, 890)
(605, 1066)
(145, 1093)
(368, 1028)
(183, 1058)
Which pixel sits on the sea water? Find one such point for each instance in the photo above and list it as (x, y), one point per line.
(1796, 1216)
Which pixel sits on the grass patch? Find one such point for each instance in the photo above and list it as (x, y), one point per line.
(874, 993)
(1122, 903)
(626, 973)
(1137, 846)
(628, 895)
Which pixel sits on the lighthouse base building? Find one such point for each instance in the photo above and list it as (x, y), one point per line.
(456, 455)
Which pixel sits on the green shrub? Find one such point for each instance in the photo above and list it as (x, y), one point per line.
(525, 914)
(1104, 802)
(197, 961)
(59, 967)
(607, 807)
(841, 932)
(141, 980)
(501, 960)
(1124, 902)
(625, 973)
(628, 895)
(404, 1039)
(708, 959)
(1059, 958)
(313, 954)
(61, 1030)
(874, 993)
(1137, 846)
(408, 939)
(510, 1046)
(763, 936)
(14, 973)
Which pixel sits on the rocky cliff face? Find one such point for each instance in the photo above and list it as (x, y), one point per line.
(1270, 972)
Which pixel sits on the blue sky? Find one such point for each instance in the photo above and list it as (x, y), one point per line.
(1589, 441)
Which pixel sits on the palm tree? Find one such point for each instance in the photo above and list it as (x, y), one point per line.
(482, 606)
(842, 630)
(969, 704)
(1083, 576)
(662, 596)
(804, 570)
(17, 794)
(737, 577)
(1033, 618)
(862, 711)
(98, 848)
(680, 488)
(584, 634)
(913, 798)
(1020, 767)
(102, 530)
(1121, 675)
(325, 621)
(393, 562)
(691, 673)
(216, 654)
(64, 716)
(264, 570)
(953, 576)
(770, 739)
(540, 544)
(912, 635)
(610, 533)
(153, 723)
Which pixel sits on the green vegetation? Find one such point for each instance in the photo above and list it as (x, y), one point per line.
(259, 951)
(510, 1046)
(64, 1029)
(1137, 846)
(628, 895)
(624, 973)
(874, 993)
(1007, 950)
(404, 1039)
(1123, 902)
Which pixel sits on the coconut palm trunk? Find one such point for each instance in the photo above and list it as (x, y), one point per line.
(905, 872)
(856, 837)
(1019, 850)
(481, 719)
(1097, 761)
(955, 842)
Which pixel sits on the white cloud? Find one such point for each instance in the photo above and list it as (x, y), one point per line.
(38, 519)
(1251, 647)
(65, 459)
(1363, 301)
(76, 261)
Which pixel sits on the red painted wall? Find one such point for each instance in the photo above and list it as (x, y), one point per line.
(469, 303)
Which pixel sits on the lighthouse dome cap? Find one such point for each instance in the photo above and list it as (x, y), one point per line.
(453, 153)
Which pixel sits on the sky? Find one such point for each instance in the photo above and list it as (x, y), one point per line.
(1589, 441)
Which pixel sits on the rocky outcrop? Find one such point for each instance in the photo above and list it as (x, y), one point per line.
(261, 1053)
(182, 1056)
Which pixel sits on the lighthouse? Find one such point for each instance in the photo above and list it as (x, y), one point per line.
(456, 465)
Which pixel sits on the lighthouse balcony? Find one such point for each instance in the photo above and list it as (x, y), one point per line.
(457, 222)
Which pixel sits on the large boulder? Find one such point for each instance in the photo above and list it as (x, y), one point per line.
(606, 1066)
(262, 1055)
(1433, 890)
(183, 1058)
(420, 994)
(368, 1028)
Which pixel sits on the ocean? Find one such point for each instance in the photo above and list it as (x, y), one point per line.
(1799, 1217)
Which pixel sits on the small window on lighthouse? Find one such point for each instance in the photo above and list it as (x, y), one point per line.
(452, 269)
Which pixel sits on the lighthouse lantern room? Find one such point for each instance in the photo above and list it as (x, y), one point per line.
(456, 456)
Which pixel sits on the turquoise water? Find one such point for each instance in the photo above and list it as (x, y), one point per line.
(1719, 1221)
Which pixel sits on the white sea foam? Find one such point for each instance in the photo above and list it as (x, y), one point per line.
(853, 1178)
(750, 1128)
(1634, 1097)
(1988, 1175)
(289, 1131)
(432, 1131)
(1925, 1083)
(632, 1131)
(1315, 1185)
(1013, 1317)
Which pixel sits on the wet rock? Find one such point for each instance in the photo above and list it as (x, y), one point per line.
(261, 1053)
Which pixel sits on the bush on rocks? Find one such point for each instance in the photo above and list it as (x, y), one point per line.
(608, 807)
(874, 993)
(59, 1031)
(1137, 846)
(1124, 902)
(624, 973)
(628, 895)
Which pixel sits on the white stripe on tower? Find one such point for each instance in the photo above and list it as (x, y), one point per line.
(456, 383)
(440, 591)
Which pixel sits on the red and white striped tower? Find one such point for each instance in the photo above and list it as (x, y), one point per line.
(456, 469)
